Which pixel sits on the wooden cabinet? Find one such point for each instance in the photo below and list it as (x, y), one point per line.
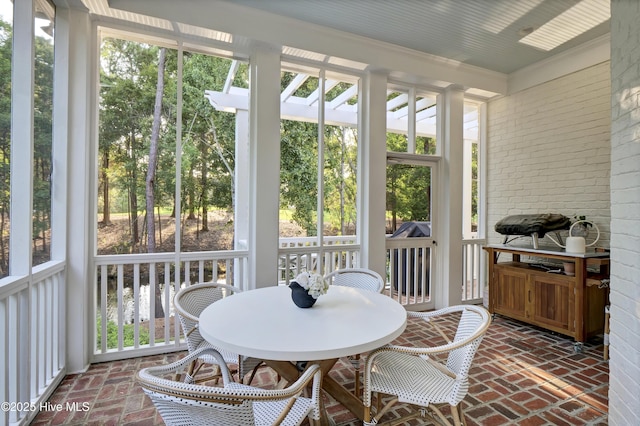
(570, 305)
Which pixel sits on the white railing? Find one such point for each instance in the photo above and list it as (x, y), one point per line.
(299, 254)
(473, 273)
(32, 341)
(409, 271)
(134, 293)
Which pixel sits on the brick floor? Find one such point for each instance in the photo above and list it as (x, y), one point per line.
(522, 375)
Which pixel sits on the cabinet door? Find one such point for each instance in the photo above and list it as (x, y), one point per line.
(511, 292)
(553, 304)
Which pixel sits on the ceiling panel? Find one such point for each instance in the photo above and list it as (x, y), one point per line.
(483, 33)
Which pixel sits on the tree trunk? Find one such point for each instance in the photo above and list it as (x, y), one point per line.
(191, 200)
(106, 206)
(204, 187)
(133, 197)
(151, 174)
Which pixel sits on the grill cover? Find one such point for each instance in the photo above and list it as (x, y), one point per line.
(528, 224)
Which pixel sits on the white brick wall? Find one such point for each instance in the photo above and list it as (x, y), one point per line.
(624, 389)
(549, 151)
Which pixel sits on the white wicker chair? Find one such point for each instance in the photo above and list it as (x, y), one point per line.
(358, 278)
(415, 375)
(181, 403)
(362, 278)
(189, 302)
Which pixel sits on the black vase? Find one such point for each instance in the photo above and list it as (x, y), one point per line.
(300, 297)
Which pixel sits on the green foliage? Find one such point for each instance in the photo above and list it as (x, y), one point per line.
(112, 334)
(299, 172)
(43, 137)
(408, 186)
(208, 153)
(6, 47)
(42, 134)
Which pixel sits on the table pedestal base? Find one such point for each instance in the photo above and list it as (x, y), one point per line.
(290, 373)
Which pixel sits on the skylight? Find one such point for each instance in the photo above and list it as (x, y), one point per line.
(571, 23)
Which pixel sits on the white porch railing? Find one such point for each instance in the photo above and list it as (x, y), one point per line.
(299, 254)
(134, 293)
(409, 271)
(474, 271)
(130, 288)
(32, 341)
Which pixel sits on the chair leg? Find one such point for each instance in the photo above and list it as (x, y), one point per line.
(367, 414)
(442, 418)
(464, 420)
(253, 373)
(455, 413)
(380, 413)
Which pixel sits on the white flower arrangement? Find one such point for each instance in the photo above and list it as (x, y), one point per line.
(315, 284)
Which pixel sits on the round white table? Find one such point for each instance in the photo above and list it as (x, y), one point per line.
(266, 324)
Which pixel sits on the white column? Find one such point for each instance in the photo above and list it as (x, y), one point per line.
(467, 188)
(22, 140)
(449, 287)
(76, 27)
(372, 163)
(264, 154)
(624, 377)
(241, 195)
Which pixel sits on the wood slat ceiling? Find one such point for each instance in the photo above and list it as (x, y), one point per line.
(483, 33)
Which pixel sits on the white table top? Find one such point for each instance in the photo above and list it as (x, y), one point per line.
(266, 324)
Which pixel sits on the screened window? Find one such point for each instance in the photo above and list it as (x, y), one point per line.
(42, 130)
(411, 121)
(471, 170)
(318, 171)
(6, 51)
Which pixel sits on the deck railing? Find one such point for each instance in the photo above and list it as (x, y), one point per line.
(133, 296)
(134, 293)
(299, 254)
(32, 341)
(474, 271)
(409, 271)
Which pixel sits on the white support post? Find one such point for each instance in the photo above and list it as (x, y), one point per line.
(21, 379)
(467, 188)
(264, 154)
(241, 193)
(372, 163)
(22, 140)
(449, 288)
(81, 214)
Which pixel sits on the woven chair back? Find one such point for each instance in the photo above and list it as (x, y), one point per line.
(189, 303)
(176, 411)
(365, 279)
(471, 321)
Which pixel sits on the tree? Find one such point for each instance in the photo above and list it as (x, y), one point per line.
(209, 137)
(6, 47)
(153, 155)
(298, 172)
(408, 186)
(42, 138)
(128, 83)
(151, 173)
